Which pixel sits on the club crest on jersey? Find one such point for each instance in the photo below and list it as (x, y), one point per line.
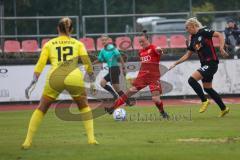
(207, 30)
(198, 44)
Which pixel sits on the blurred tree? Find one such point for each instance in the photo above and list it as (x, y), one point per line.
(161, 6)
(207, 6)
(95, 7)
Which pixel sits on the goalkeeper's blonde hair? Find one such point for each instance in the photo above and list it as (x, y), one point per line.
(195, 22)
(65, 25)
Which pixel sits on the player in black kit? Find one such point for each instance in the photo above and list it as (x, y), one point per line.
(201, 43)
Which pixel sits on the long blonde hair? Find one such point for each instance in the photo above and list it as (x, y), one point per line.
(194, 21)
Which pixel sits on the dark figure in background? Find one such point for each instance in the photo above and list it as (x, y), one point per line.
(232, 36)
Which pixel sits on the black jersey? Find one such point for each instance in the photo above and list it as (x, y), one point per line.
(202, 44)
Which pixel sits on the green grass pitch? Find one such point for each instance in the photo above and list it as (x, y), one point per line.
(141, 137)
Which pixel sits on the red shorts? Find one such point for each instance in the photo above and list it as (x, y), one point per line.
(144, 80)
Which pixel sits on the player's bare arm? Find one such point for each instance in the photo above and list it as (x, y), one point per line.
(160, 50)
(182, 59)
(222, 42)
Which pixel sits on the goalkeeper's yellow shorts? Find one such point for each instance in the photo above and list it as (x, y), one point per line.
(73, 83)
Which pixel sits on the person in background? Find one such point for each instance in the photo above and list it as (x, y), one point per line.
(111, 55)
(232, 36)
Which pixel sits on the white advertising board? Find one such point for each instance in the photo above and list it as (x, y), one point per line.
(14, 80)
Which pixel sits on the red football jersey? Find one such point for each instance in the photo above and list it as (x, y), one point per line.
(150, 59)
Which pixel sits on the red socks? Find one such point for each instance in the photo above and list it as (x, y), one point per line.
(120, 101)
(159, 105)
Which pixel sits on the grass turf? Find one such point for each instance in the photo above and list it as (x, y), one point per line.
(142, 136)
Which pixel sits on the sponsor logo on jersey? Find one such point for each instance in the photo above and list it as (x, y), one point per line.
(146, 58)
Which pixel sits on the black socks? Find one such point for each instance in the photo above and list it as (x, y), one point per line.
(197, 88)
(211, 92)
(110, 90)
(215, 96)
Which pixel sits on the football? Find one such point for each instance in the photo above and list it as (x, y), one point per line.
(119, 114)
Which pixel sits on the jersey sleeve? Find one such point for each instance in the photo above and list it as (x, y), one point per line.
(85, 58)
(207, 33)
(42, 59)
(100, 56)
(155, 50)
(190, 46)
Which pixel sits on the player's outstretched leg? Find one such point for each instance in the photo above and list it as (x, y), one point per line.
(121, 100)
(128, 101)
(216, 97)
(116, 87)
(198, 89)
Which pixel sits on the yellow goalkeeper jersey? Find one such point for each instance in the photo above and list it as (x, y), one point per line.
(61, 49)
(63, 53)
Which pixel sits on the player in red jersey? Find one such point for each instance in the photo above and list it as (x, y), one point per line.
(149, 75)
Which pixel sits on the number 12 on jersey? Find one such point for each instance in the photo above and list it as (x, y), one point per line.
(63, 52)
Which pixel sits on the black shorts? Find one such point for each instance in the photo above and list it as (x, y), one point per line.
(113, 75)
(208, 71)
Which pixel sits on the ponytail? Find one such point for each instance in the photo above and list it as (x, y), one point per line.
(65, 25)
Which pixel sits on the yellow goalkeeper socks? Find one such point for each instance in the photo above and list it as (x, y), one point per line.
(87, 119)
(35, 120)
